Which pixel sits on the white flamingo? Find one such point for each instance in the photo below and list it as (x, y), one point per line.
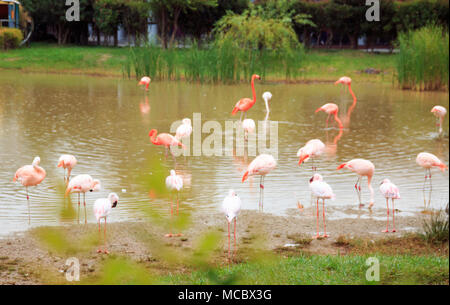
(102, 209)
(389, 190)
(174, 183)
(231, 207)
(82, 184)
(320, 190)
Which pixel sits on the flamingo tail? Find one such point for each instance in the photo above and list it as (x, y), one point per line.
(235, 110)
(245, 176)
(341, 166)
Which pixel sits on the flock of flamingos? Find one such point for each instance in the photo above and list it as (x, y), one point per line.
(33, 175)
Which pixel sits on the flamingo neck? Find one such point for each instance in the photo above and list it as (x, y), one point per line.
(253, 89)
(338, 120)
(353, 94)
(153, 138)
(267, 105)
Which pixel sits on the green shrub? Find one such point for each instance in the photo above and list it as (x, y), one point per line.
(436, 228)
(10, 38)
(423, 60)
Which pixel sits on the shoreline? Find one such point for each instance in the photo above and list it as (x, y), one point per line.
(31, 258)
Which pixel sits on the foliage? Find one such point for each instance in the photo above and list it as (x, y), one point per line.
(10, 38)
(435, 229)
(423, 60)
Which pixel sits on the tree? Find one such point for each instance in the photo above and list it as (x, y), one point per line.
(167, 14)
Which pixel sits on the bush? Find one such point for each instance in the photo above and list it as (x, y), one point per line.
(10, 38)
(436, 229)
(422, 63)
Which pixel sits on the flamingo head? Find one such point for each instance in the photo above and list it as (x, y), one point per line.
(152, 133)
(114, 199)
(386, 180)
(172, 172)
(231, 193)
(345, 80)
(96, 186)
(267, 96)
(316, 177)
(256, 76)
(187, 121)
(341, 166)
(36, 161)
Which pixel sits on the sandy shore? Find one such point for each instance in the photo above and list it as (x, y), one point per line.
(25, 259)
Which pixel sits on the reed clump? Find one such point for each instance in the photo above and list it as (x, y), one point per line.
(422, 63)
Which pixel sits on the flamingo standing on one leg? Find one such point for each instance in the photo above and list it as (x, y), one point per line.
(427, 161)
(102, 209)
(312, 149)
(249, 126)
(245, 104)
(332, 110)
(389, 190)
(261, 165)
(321, 190)
(165, 139)
(184, 130)
(362, 168)
(67, 162)
(145, 81)
(82, 184)
(174, 183)
(440, 113)
(231, 207)
(30, 175)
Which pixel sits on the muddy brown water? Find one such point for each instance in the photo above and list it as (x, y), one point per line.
(105, 122)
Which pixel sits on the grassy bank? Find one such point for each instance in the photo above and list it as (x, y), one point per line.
(103, 61)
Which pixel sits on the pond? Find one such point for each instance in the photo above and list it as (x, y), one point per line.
(105, 123)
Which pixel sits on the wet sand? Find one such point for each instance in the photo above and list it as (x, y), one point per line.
(26, 260)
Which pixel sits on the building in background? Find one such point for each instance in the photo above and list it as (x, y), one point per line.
(9, 13)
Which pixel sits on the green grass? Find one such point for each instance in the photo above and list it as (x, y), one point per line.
(196, 65)
(314, 270)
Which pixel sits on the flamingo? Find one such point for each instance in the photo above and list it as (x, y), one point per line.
(261, 165)
(102, 209)
(184, 130)
(245, 104)
(231, 207)
(174, 183)
(67, 162)
(427, 161)
(347, 81)
(362, 168)
(331, 109)
(165, 139)
(312, 149)
(389, 190)
(321, 190)
(30, 175)
(82, 184)
(249, 126)
(145, 81)
(267, 96)
(439, 112)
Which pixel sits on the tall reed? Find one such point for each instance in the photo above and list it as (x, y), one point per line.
(225, 64)
(423, 60)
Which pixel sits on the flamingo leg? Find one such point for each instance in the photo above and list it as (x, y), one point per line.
(358, 191)
(317, 218)
(324, 223)
(28, 203)
(387, 218)
(65, 175)
(240, 119)
(229, 244)
(78, 208)
(260, 192)
(105, 250)
(423, 190)
(262, 200)
(84, 202)
(393, 217)
(177, 203)
(431, 189)
(171, 216)
(313, 167)
(328, 118)
(235, 249)
(99, 236)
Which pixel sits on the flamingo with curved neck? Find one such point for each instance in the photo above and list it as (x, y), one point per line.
(345, 80)
(332, 110)
(245, 104)
(164, 139)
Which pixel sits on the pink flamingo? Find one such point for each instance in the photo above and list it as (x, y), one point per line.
(82, 184)
(249, 126)
(30, 175)
(428, 161)
(389, 190)
(231, 207)
(174, 183)
(165, 139)
(67, 162)
(345, 80)
(245, 104)
(261, 165)
(362, 168)
(145, 81)
(184, 130)
(331, 109)
(321, 190)
(102, 209)
(312, 149)
(439, 113)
